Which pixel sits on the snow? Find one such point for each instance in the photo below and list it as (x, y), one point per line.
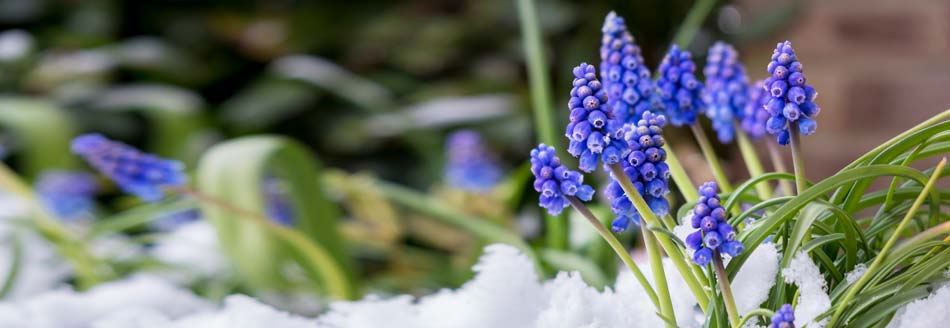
(193, 250)
(926, 312)
(813, 299)
(41, 268)
(755, 278)
(856, 273)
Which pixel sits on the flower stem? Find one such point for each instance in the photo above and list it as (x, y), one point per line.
(726, 289)
(616, 246)
(694, 20)
(659, 275)
(766, 313)
(752, 162)
(798, 160)
(711, 158)
(682, 180)
(779, 164)
(671, 248)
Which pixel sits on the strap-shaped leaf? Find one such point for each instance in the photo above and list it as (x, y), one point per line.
(44, 132)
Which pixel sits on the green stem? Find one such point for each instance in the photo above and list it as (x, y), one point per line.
(617, 247)
(671, 248)
(682, 180)
(726, 289)
(692, 23)
(557, 234)
(779, 164)
(659, 275)
(765, 313)
(854, 289)
(711, 158)
(798, 160)
(752, 162)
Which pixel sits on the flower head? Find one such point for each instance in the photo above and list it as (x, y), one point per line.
(69, 194)
(136, 172)
(630, 90)
(714, 235)
(278, 208)
(646, 167)
(679, 88)
(471, 166)
(784, 317)
(555, 181)
(726, 92)
(790, 99)
(593, 131)
(754, 114)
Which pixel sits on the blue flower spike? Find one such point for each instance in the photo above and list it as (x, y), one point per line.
(470, 165)
(754, 114)
(714, 234)
(594, 133)
(136, 172)
(784, 317)
(646, 167)
(726, 91)
(68, 194)
(630, 89)
(555, 181)
(791, 100)
(679, 88)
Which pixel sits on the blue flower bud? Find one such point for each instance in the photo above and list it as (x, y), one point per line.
(733, 248)
(784, 317)
(593, 129)
(702, 256)
(679, 88)
(716, 231)
(695, 240)
(470, 165)
(712, 240)
(555, 182)
(726, 93)
(787, 87)
(136, 172)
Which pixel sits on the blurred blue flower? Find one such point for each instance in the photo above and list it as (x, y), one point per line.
(784, 317)
(754, 114)
(471, 166)
(594, 133)
(679, 88)
(646, 167)
(278, 206)
(68, 194)
(791, 100)
(555, 181)
(714, 235)
(136, 172)
(170, 221)
(630, 89)
(726, 91)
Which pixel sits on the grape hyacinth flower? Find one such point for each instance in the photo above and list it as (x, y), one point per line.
(136, 172)
(726, 91)
(555, 181)
(754, 114)
(715, 234)
(471, 166)
(68, 194)
(646, 166)
(791, 100)
(278, 206)
(784, 317)
(593, 131)
(679, 88)
(630, 89)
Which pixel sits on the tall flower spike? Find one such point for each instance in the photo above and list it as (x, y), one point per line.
(555, 181)
(754, 114)
(784, 317)
(646, 166)
(69, 194)
(679, 88)
(593, 131)
(136, 172)
(791, 100)
(470, 165)
(726, 92)
(630, 89)
(714, 232)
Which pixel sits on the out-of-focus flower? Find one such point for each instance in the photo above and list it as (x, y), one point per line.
(594, 133)
(754, 114)
(714, 235)
(792, 101)
(630, 89)
(471, 166)
(726, 91)
(68, 194)
(555, 181)
(278, 207)
(646, 167)
(171, 221)
(679, 88)
(136, 172)
(784, 317)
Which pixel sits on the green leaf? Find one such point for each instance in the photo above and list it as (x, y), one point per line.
(566, 261)
(43, 131)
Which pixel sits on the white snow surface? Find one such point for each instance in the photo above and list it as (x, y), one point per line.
(933, 311)
(193, 250)
(814, 296)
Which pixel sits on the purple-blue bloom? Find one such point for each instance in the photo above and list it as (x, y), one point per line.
(136, 172)
(714, 234)
(470, 165)
(726, 92)
(646, 167)
(170, 221)
(791, 99)
(555, 181)
(630, 89)
(278, 206)
(68, 194)
(679, 88)
(594, 133)
(754, 114)
(784, 317)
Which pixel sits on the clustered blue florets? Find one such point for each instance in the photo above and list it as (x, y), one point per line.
(792, 101)
(471, 166)
(593, 131)
(726, 92)
(646, 167)
(630, 89)
(784, 317)
(68, 194)
(555, 181)
(715, 234)
(679, 88)
(754, 114)
(136, 172)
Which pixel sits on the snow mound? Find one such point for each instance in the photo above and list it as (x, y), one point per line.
(926, 312)
(814, 298)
